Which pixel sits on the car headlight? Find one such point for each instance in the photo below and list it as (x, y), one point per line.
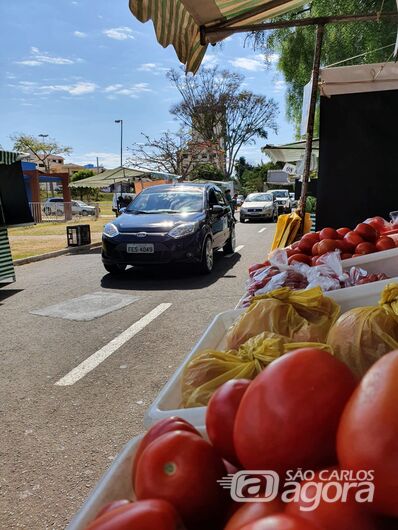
(110, 230)
(183, 230)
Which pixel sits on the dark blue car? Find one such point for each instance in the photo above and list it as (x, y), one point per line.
(170, 223)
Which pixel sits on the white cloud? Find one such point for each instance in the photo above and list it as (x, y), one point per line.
(80, 34)
(122, 33)
(106, 159)
(279, 86)
(210, 59)
(133, 91)
(38, 58)
(253, 64)
(147, 67)
(76, 89)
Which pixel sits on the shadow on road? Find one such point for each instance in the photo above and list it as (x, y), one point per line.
(6, 293)
(172, 276)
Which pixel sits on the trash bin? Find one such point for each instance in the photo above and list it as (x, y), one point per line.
(78, 235)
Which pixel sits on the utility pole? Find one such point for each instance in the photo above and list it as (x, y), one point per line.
(121, 141)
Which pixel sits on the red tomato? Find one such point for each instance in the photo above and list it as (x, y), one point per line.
(385, 243)
(142, 515)
(280, 522)
(367, 232)
(368, 433)
(345, 246)
(315, 249)
(252, 511)
(307, 242)
(353, 239)
(289, 415)
(301, 258)
(346, 255)
(314, 261)
(183, 469)
(112, 506)
(378, 223)
(365, 248)
(328, 233)
(343, 231)
(295, 244)
(356, 255)
(220, 417)
(327, 245)
(291, 252)
(347, 515)
(161, 427)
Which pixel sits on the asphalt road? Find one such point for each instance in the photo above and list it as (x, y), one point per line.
(57, 441)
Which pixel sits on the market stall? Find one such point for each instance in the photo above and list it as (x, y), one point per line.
(299, 380)
(14, 209)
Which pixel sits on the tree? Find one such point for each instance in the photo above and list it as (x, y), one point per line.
(166, 153)
(240, 167)
(216, 107)
(207, 172)
(40, 147)
(295, 46)
(253, 178)
(80, 175)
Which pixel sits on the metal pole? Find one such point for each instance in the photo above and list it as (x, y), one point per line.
(121, 143)
(311, 118)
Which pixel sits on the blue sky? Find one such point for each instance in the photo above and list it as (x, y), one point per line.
(71, 67)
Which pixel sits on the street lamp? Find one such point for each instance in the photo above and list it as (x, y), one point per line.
(121, 141)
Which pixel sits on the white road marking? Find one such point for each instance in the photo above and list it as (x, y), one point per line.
(99, 356)
(239, 248)
(236, 250)
(262, 230)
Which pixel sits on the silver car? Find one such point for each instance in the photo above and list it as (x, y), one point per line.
(259, 206)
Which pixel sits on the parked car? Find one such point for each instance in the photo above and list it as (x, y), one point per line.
(293, 202)
(170, 223)
(259, 206)
(283, 200)
(55, 206)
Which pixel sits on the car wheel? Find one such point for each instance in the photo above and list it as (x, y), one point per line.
(59, 213)
(207, 261)
(229, 247)
(84, 212)
(115, 268)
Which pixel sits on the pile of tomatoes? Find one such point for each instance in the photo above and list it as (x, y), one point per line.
(305, 411)
(366, 238)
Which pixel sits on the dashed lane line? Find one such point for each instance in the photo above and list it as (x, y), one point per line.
(99, 356)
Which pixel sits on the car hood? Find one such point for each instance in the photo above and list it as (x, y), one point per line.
(256, 204)
(160, 222)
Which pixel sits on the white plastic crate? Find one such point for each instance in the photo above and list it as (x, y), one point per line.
(114, 485)
(168, 401)
(385, 261)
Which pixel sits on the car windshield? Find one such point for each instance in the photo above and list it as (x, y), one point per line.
(170, 201)
(281, 194)
(259, 197)
(81, 203)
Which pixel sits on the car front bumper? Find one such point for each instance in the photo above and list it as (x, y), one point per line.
(166, 249)
(256, 215)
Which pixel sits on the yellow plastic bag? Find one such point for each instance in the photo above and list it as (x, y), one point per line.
(364, 334)
(303, 316)
(208, 370)
(287, 228)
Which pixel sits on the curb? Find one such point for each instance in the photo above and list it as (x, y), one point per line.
(71, 250)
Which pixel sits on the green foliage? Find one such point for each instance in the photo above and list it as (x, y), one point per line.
(207, 172)
(252, 178)
(310, 205)
(342, 41)
(79, 193)
(41, 147)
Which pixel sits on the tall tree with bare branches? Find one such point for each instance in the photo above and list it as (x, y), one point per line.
(219, 110)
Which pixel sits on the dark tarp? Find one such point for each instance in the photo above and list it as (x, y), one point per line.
(14, 206)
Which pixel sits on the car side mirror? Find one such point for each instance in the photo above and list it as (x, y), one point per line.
(216, 208)
(122, 210)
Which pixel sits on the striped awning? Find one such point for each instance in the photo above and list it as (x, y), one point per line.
(8, 157)
(178, 22)
(7, 273)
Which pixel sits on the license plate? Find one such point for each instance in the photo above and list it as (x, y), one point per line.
(147, 248)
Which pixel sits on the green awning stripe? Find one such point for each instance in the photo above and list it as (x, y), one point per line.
(6, 265)
(174, 24)
(8, 157)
